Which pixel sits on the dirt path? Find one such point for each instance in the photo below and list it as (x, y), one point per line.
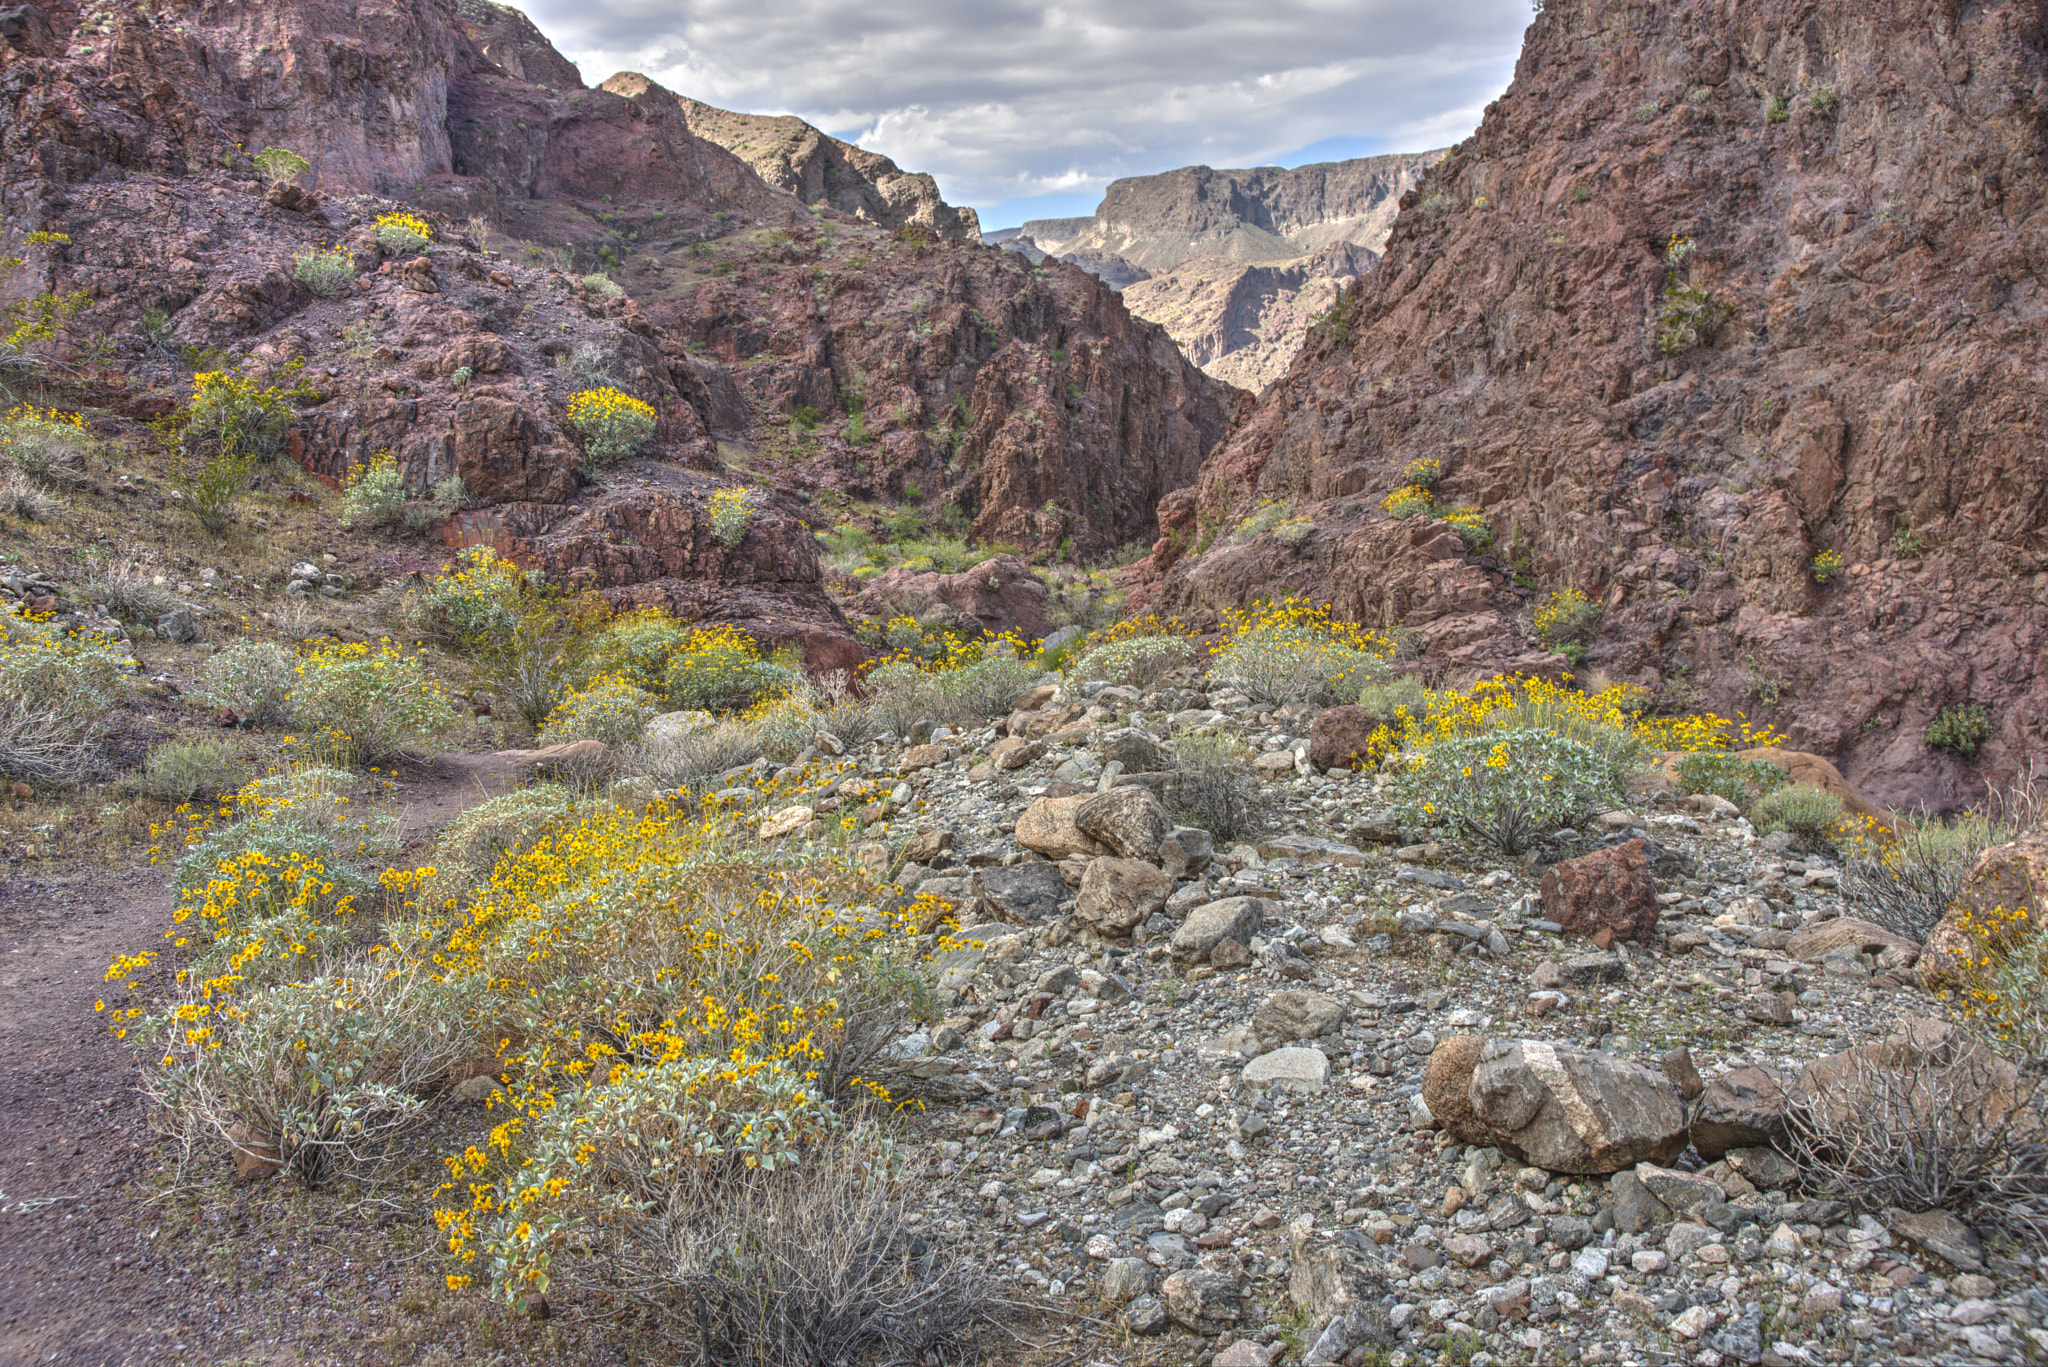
(81, 1282)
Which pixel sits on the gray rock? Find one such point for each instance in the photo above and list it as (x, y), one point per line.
(1743, 1108)
(1204, 1301)
(1118, 894)
(1128, 821)
(1136, 751)
(1569, 1232)
(1584, 970)
(1125, 1279)
(1743, 1338)
(1311, 849)
(1333, 1277)
(1684, 1240)
(1147, 1315)
(1573, 1110)
(1941, 1234)
(1681, 1191)
(1232, 918)
(1186, 851)
(1295, 1070)
(1635, 1208)
(1763, 1168)
(1297, 1014)
(1025, 894)
(177, 626)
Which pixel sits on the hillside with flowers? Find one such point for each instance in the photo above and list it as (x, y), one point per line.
(589, 776)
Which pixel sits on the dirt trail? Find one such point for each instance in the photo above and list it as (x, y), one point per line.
(81, 1282)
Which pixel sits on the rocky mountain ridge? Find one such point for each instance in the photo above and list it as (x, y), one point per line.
(1235, 264)
(821, 360)
(1691, 315)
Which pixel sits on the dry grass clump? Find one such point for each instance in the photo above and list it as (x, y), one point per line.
(1212, 788)
(130, 590)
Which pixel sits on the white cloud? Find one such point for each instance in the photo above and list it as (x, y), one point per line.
(1006, 99)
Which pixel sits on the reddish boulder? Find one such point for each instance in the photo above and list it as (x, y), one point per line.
(1607, 890)
(1742, 1109)
(1340, 736)
(1000, 594)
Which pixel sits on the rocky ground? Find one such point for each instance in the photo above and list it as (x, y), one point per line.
(1217, 1131)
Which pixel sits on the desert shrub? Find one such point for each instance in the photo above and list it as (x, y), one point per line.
(57, 690)
(1437, 205)
(47, 445)
(1566, 615)
(315, 1076)
(636, 646)
(731, 512)
(965, 688)
(720, 669)
(599, 283)
(254, 679)
(403, 234)
(23, 497)
(1139, 660)
(1961, 729)
(1505, 787)
(612, 424)
(683, 759)
(369, 706)
(1805, 812)
(1410, 500)
(280, 163)
(231, 423)
(475, 599)
(182, 770)
(1822, 102)
(130, 590)
(609, 708)
(327, 272)
(1932, 1118)
(1290, 650)
(525, 638)
(373, 494)
(1826, 565)
(1269, 514)
(1903, 877)
(1740, 781)
(471, 845)
(1394, 695)
(1423, 473)
(1295, 531)
(1776, 109)
(1473, 527)
(1212, 786)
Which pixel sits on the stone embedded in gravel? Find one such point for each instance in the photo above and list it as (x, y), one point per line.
(1186, 851)
(1574, 1110)
(1584, 970)
(1309, 849)
(1681, 1191)
(1048, 827)
(1204, 1301)
(1609, 889)
(1117, 895)
(1943, 1235)
(1243, 1353)
(1297, 1013)
(1635, 1209)
(1295, 1070)
(1468, 1250)
(1232, 918)
(1274, 764)
(1127, 821)
(1743, 1108)
(1146, 1315)
(1014, 752)
(1025, 894)
(921, 757)
(1814, 943)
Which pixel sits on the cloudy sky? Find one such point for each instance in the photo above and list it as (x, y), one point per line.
(1026, 109)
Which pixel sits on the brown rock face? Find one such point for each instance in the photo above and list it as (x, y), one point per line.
(1338, 737)
(1831, 360)
(820, 169)
(1740, 1109)
(999, 594)
(1445, 1082)
(1609, 889)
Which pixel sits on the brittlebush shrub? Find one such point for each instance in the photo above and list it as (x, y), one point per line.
(57, 690)
(403, 234)
(526, 638)
(1740, 781)
(1904, 876)
(609, 709)
(1138, 660)
(472, 844)
(637, 646)
(1506, 787)
(253, 679)
(369, 705)
(720, 669)
(1806, 812)
(181, 770)
(47, 445)
(1293, 651)
(1566, 615)
(612, 424)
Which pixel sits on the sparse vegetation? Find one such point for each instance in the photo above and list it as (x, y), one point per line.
(1740, 781)
(1961, 729)
(1806, 812)
(612, 423)
(731, 513)
(328, 272)
(1566, 615)
(403, 234)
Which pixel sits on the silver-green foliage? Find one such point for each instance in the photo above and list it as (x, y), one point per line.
(1506, 787)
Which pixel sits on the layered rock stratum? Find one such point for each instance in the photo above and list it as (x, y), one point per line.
(1711, 293)
(1235, 264)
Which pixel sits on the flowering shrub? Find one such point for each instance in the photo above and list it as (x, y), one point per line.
(1566, 615)
(403, 234)
(1424, 473)
(1137, 660)
(253, 679)
(1826, 566)
(478, 598)
(181, 770)
(611, 423)
(1410, 500)
(1741, 781)
(280, 163)
(609, 708)
(1506, 787)
(1294, 531)
(526, 637)
(46, 444)
(731, 513)
(56, 691)
(1473, 527)
(376, 495)
(369, 705)
(326, 271)
(1291, 650)
(637, 646)
(1999, 981)
(720, 669)
(1903, 876)
(1269, 514)
(231, 423)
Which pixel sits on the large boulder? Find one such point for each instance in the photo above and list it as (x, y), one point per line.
(1048, 827)
(1446, 1087)
(998, 595)
(1609, 889)
(1743, 1108)
(1117, 895)
(1130, 821)
(1297, 1013)
(2005, 896)
(1925, 1076)
(1576, 1110)
(1235, 919)
(1340, 737)
(1811, 771)
(1024, 894)
(1132, 748)
(1847, 934)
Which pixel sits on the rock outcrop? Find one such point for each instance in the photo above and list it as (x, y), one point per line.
(1236, 265)
(1692, 310)
(798, 350)
(820, 169)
